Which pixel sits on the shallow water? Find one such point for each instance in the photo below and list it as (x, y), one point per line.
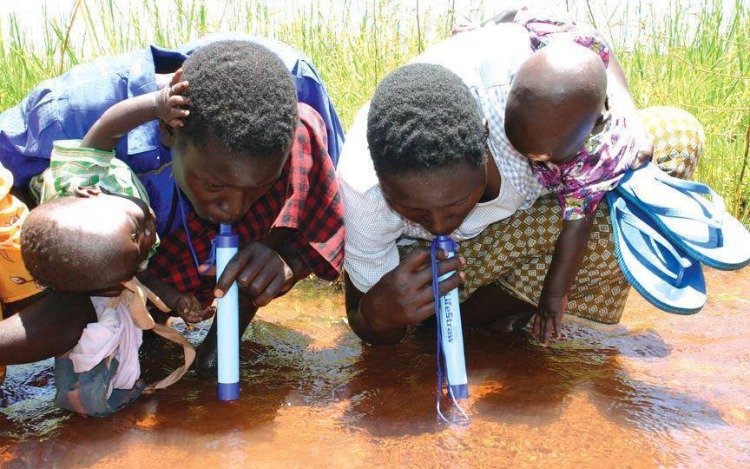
(657, 390)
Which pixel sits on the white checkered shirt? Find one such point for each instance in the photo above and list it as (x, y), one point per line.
(373, 230)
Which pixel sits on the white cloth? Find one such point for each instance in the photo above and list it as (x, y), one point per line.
(372, 228)
(113, 335)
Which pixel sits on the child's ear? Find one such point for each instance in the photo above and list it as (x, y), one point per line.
(86, 192)
(168, 135)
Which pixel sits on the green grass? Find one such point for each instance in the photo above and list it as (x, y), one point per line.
(704, 69)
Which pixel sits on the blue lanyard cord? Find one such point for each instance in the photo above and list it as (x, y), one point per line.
(206, 266)
(465, 420)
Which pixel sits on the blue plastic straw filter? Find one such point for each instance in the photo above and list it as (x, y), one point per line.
(450, 337)
(451, 333)
(227, 317)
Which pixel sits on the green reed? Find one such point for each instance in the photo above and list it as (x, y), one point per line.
(704, 69)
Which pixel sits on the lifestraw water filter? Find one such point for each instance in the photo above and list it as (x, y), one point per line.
(227, 317)
(451, 333)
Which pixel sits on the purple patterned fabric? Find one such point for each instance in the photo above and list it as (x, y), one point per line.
(580, 184)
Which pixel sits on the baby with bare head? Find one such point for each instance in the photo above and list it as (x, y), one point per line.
(92, 242)
(558, 116)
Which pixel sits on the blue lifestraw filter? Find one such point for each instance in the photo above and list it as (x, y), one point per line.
(451, 332)
(227, 317)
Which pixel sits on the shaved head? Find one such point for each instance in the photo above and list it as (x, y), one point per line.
(555, 99)
(76, 244)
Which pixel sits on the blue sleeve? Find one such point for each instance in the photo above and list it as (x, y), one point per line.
(60, 108)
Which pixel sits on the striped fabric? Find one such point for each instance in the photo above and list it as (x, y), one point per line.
(72, 166)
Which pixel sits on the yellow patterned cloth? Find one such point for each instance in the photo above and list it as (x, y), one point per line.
(678, 139)
(515, 253)
(16, 283)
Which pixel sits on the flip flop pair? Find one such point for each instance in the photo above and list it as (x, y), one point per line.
(690, 215)
(662, 273)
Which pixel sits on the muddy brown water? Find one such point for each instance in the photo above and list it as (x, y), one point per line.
(658, 390)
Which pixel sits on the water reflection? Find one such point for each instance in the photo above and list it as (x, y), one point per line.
(659, 390)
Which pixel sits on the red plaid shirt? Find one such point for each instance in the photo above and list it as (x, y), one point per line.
(305, 198)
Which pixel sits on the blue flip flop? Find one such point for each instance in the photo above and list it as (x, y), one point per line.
(654, 267)
(691, 215)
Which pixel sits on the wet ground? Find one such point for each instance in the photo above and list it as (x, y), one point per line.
(658, 390)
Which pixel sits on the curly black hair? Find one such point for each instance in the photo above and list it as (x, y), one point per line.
(421, 117)
(241, 96)
(62, 254)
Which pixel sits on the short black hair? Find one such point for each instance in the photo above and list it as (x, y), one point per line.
(58, 255)
(421, 117)
(242, 96)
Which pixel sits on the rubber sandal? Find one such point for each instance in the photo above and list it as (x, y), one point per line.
(659, 271)
(691, 215)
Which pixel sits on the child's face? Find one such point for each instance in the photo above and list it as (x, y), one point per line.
(132, 223)
(558, 141)
(222, 186)
(439, 199)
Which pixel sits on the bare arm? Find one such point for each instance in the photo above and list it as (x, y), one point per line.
(165, 104)
(47, 325)
(619, 82)
(569, 252)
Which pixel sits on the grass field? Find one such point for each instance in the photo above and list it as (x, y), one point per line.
(697, 60)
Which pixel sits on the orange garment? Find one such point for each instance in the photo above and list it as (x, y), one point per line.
(16, 283)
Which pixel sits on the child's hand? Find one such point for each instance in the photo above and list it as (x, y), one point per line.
(169, 102)
(191, 311)
(546, 323)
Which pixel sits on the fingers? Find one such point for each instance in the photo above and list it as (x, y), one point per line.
(177, 100)
(177, 105)
(536, 324)
(546, 328)
(416, 260)
(557, 326)
(541, 329)
(193, 312)
(267, 292)
(452, 282)
(177, 89)
(258, 271)
(233, 269)
(423, 276)
(176, 77)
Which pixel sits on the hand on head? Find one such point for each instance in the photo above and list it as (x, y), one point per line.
(170, 103)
